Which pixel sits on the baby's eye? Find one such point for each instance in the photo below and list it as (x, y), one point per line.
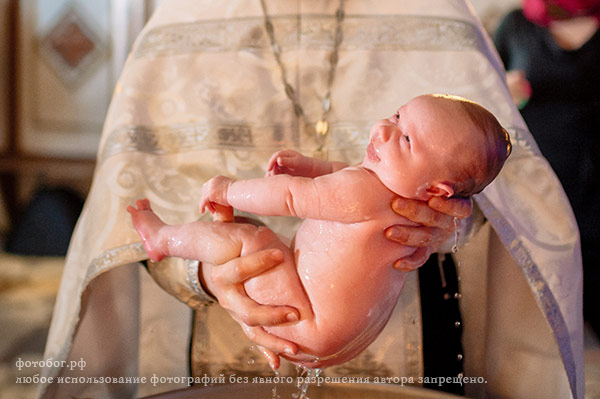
(407, 138)
(397, 116)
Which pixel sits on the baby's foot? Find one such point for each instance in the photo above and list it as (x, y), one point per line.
(148, 226)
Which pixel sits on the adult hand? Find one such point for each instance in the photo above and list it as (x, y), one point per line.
(432, 225)
(226, 283)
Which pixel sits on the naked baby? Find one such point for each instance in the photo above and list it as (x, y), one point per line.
(338, 272)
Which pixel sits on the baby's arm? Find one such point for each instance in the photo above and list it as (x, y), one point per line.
(293, 163)
(345, 196)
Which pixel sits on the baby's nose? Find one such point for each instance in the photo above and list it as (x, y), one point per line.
(385, 132)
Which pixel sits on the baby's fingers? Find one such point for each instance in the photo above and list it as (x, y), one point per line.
(288, 161)
(272, 163)
(207, 205)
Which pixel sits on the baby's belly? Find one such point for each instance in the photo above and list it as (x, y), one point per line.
(347, 274)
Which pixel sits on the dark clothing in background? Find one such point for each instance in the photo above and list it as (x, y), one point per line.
(563, 114)
(47, 223)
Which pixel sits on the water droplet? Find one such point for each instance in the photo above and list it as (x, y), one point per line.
(252, 347)
(457, 324)
(459, 356)
(460, 375)
(251, 360)
(309, 375)
(456, 234)
(457, 296)
(446, 296)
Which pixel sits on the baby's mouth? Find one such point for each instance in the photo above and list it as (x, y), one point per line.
(372, 153)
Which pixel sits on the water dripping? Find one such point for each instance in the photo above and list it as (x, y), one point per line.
(274, 394)
(251, 360)
(456, 234)
(307, 375)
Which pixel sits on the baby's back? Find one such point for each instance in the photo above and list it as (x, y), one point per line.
(346, 271)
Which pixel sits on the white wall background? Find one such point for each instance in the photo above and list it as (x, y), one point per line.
(491, 11)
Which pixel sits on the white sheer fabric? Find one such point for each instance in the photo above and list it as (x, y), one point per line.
(201, 94)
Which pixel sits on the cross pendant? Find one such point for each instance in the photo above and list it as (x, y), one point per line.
(322, 128)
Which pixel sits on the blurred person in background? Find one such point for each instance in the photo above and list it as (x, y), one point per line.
(551, 50)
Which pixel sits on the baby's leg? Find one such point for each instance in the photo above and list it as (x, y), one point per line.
(209, 242)
(214, 243)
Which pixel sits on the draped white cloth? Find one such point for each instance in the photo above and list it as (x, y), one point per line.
(201, 95)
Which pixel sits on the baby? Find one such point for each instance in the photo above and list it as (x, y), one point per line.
(338, 270)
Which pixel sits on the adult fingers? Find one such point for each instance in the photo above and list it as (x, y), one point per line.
(420, 213)
(269, 341)
(455, 207)
(243, 308)
(412, 236)
(414, 261)
(240, 269)
(272, 357)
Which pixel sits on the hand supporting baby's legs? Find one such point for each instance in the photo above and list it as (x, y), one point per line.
(215, 243)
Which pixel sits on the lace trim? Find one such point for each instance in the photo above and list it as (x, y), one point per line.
(373, 32)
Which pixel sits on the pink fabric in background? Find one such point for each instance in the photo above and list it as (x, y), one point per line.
(541, 12)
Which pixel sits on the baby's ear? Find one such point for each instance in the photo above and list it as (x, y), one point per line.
(441, 190)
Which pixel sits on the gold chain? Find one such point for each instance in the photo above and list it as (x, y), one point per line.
(321, 128)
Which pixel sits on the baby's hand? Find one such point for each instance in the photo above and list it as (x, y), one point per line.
(214, 192)
(289, 162)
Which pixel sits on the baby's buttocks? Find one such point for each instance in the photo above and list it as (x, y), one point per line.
(347, 272)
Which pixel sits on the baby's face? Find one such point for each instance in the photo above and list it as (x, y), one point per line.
(413, 150)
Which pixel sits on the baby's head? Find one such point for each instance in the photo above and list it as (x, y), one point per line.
(437, 145)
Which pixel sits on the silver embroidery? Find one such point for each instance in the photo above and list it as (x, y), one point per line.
(373, 32)
(158, 140)
(122, 255)
(191, 277)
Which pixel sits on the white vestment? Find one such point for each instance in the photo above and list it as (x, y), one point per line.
(201, 94)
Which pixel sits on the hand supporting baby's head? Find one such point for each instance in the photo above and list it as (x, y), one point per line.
(437, 145)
